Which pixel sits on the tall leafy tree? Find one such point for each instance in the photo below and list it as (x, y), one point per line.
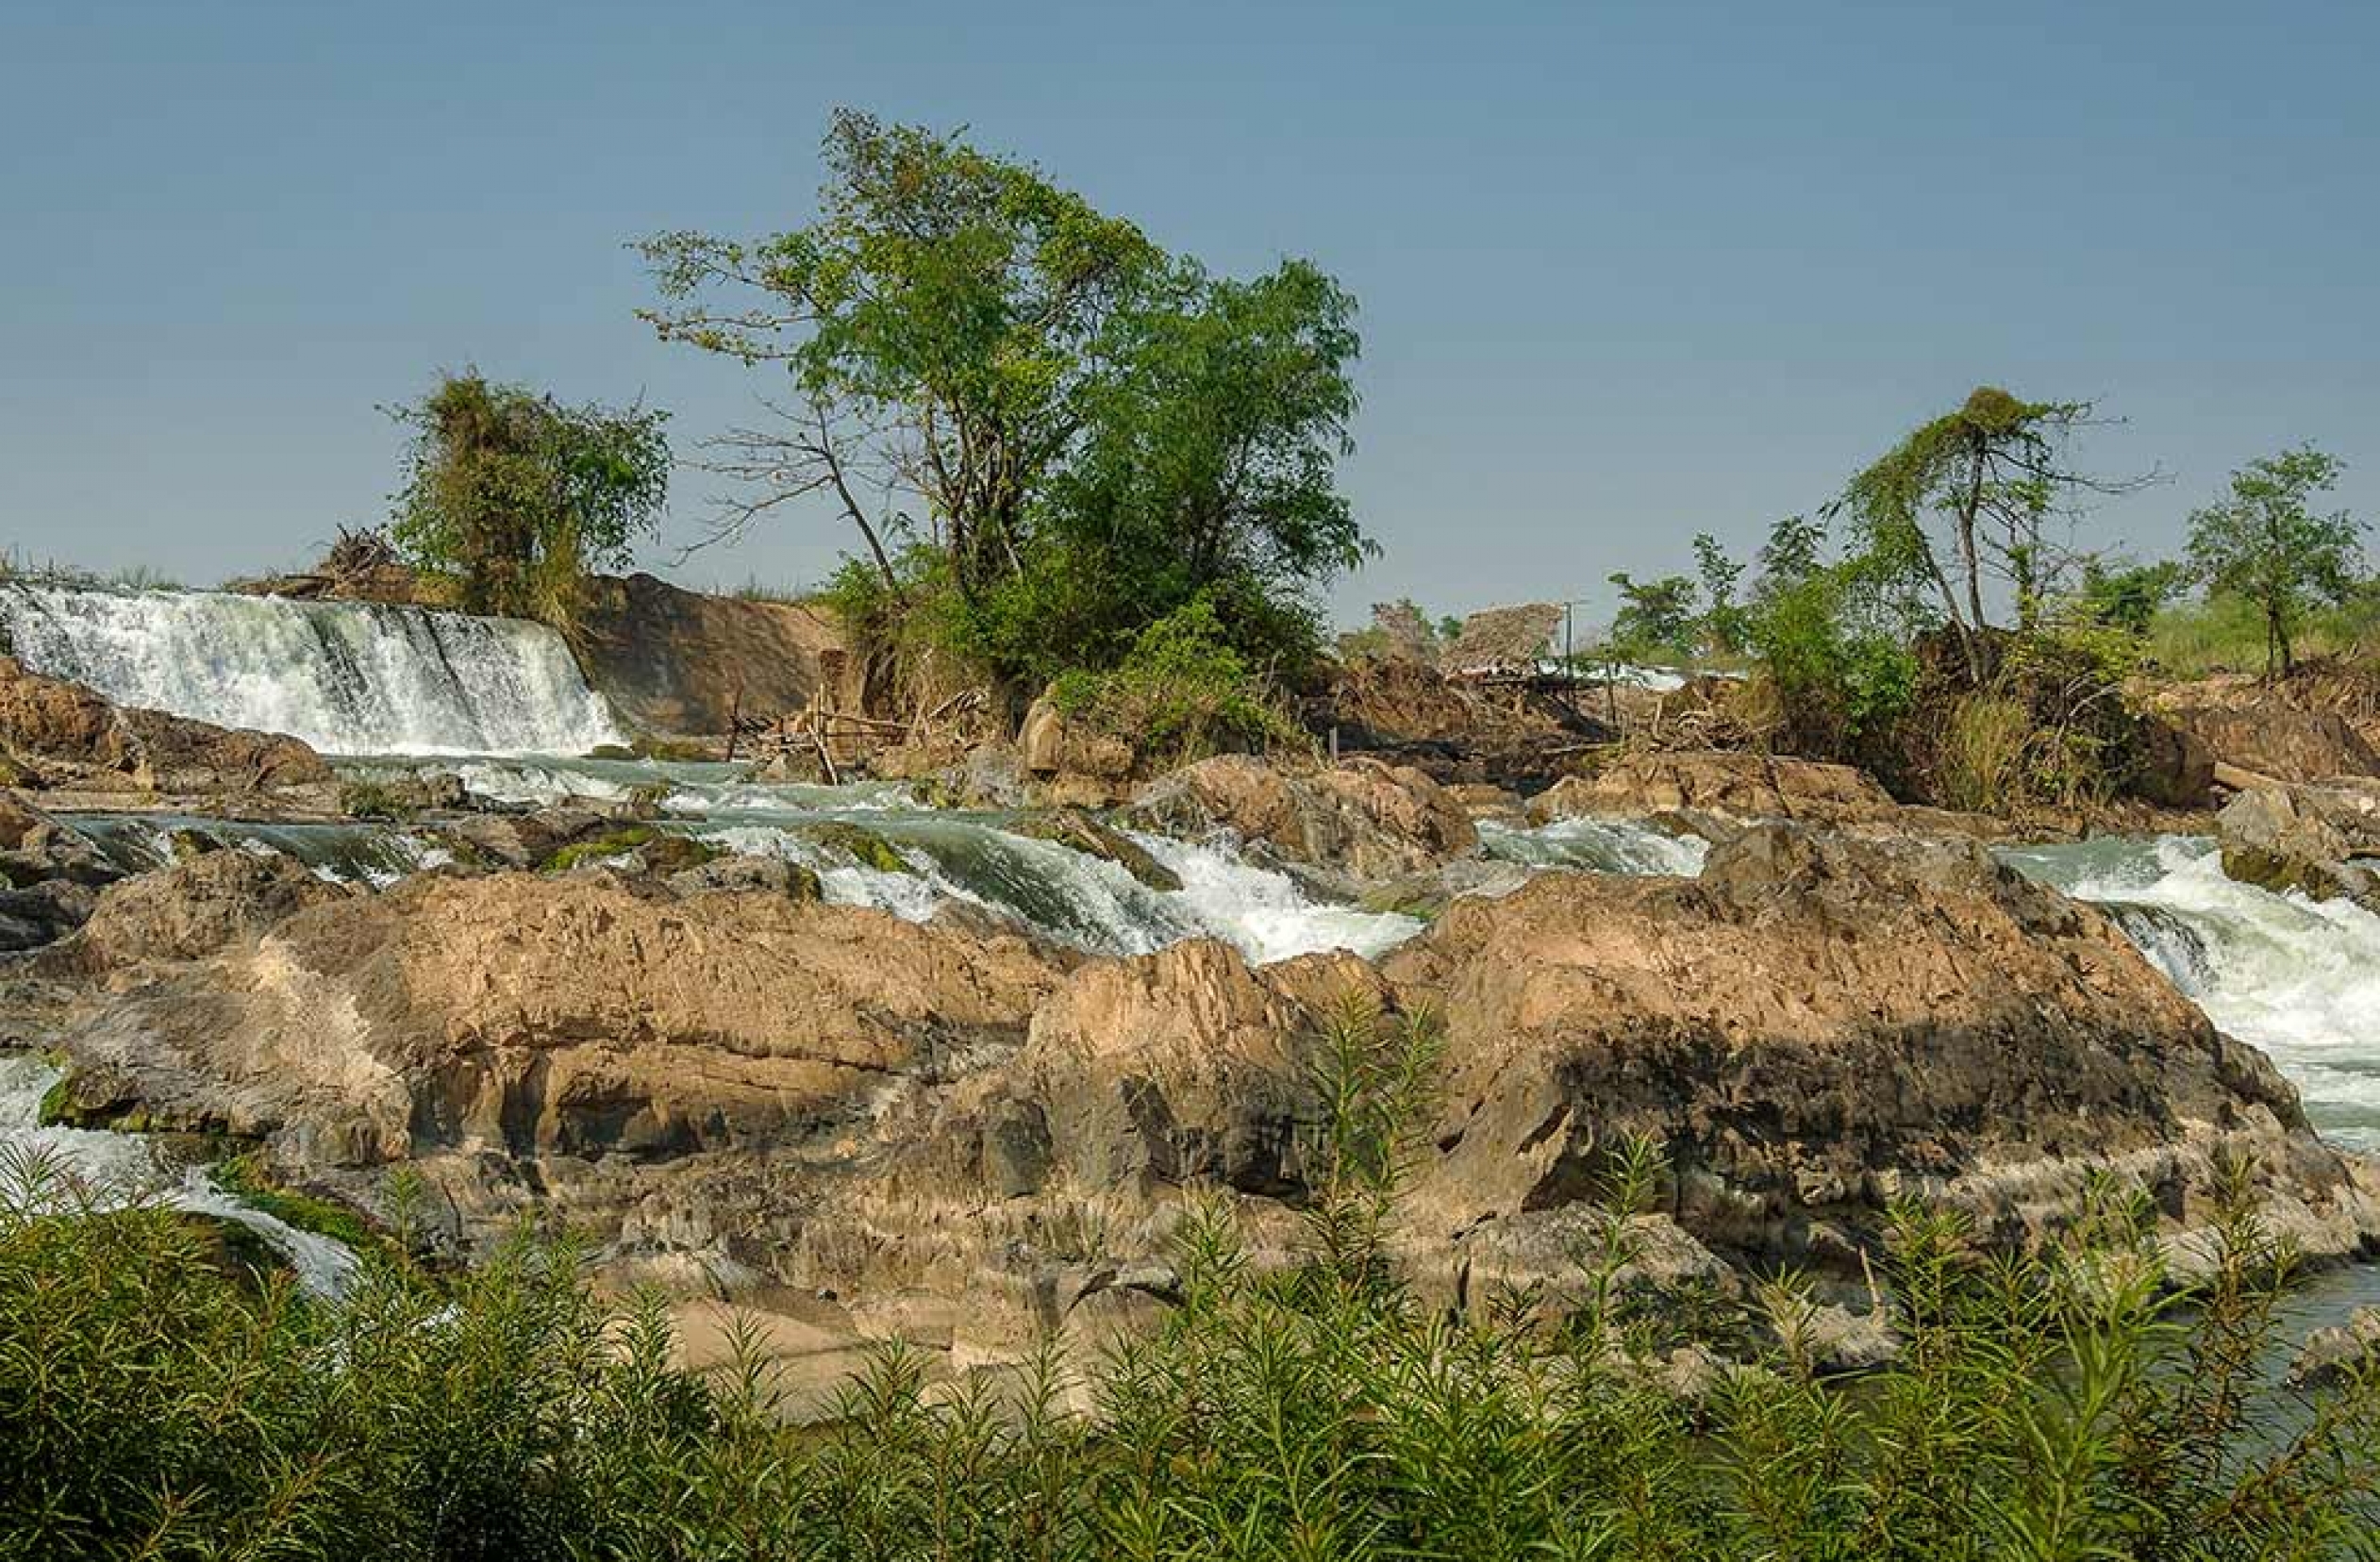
(1018, 398)
(1968, 497)
(940, 322)
(2262, 541)
(518, 496)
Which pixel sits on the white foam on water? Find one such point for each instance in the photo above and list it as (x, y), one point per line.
(2298, 978)
(347, 678)
(115, 1170)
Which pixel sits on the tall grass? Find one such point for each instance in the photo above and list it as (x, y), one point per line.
(157, 1400)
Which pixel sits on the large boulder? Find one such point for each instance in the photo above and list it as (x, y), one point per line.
(2303, 840)
(582, 1016)
(1725, 785)
(677, 661)
(193, 909)
(1818, 1023)
(1361, 819)
(2267, 735)
(73, 735)
(49, 876)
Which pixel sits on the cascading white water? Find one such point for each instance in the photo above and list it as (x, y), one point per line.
(347, 678)
(115, 1170)
(2299, 979)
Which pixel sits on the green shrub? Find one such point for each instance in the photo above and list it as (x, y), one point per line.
(1181, 694)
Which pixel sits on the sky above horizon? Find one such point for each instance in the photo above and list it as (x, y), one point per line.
(1628, 271)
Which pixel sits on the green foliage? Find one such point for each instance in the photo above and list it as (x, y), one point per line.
(2262, 544)
(1967, 498)
(1658, 621)
(2073, 1402)
(663, 850)
(1724, 628)
(1099, 432)
(518, 497)
(244, 1177)
(1182, 692)
(374, 799)
(2129, 596)
(1834, 638)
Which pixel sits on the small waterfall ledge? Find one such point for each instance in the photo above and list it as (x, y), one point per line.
(346, 677)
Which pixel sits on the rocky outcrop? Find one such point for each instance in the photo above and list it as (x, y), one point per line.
(1731, 785)
(2264, 735)
(946, 1130)
(687, 662)
(582, 1016)
(49, 876)
(71, 736)
(1360, 819)
(2333, 1355)
(1071, 764)
(191, 909)
(2303, 840)
(1818, 1023)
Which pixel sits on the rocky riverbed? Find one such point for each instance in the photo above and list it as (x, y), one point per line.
(870, 1067)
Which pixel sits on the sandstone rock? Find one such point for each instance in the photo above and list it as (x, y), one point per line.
(2268, 736)
(678, 661)
(74, 736)
(2300, 839)
(403, 797)
(1361, 818)
(2173, 766)
(532, 839)
(738, 873)
(1174, 1067)
(1072, 765)
(1732, 786)
(1817, 1023)
(557, 1017)
(200, 905)
(2331, 1355)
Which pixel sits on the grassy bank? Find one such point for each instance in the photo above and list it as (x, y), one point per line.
(2059, 1405)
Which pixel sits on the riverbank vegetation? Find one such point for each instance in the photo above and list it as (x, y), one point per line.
(2074, 1400)
(1046, 432)
(516, 499)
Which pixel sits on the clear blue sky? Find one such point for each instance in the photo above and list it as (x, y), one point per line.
(1628, 271)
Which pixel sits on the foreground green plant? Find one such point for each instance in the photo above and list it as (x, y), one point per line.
(2070, 1402)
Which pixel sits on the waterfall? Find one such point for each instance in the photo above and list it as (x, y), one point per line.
(347, 678)
(2297, 978)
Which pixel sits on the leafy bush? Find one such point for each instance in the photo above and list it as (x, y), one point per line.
(1182, 692)
(2073, 1402)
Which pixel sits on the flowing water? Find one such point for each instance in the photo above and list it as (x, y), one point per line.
(2299, 979)
(115, 1170)
(349, 677)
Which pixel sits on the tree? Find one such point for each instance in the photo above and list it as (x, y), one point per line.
(2129, 596)
(1206, 469)
(1834, 636)
(2263, 545)
(1024, 403)
(940, 322)
(1723, 625)
(518, 496)
(1969, 496)
(1656, 620)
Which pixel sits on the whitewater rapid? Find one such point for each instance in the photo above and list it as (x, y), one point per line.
(2297, 978)
(78, 1168)
(347, 678)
